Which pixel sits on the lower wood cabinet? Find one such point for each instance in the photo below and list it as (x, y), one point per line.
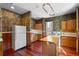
(68, 41)
(7, 41)
(78, 45)
(1, 49)
(28, 36)
(39, 36)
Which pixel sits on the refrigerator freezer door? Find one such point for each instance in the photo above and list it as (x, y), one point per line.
(19, 37)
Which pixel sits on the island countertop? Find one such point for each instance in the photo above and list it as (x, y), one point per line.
(50, 38)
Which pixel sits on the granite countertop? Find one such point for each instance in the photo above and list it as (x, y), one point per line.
(69, 34)
(49, 38)
(36, 31)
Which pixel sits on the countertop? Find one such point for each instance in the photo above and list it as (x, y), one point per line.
(69, 34)
(49, 38)
(36, 31)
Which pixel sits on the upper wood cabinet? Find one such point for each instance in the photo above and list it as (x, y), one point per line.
(71, 25)
(68, 26)
(38, 25)
(63, 26)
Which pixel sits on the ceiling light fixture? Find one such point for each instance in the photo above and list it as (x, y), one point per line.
(12, 7)
(48, 9)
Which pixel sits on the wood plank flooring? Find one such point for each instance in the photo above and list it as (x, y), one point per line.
(67, 51)
(36, 50)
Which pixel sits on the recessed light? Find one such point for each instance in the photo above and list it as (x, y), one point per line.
(12, 7)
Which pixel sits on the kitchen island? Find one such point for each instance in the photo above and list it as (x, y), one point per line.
(50, 45)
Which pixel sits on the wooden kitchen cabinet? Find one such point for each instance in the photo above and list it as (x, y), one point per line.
(34, 37)
(68, 41)
(39, 36)
(63, 26)
(1, 49)
(7, 41)
(78, 46)
(71, 25)
(68, 26)
(38, 25)
(28, 38)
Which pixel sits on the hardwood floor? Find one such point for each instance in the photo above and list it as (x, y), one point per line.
(36, 49)
(67, 51)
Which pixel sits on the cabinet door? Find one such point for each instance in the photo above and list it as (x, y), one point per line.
(7, 41)
(28, 38)
(39, 36)
(63, 26)
(78, 46)
(1, 50)
(71, 25)
(69, 42)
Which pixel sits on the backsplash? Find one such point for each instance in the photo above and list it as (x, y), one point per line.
(56, 23)
(9, 19)
(25, 20)
(0, 12)
(0, 24)
(0, 20)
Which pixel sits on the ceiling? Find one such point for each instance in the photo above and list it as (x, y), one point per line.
(37, 11)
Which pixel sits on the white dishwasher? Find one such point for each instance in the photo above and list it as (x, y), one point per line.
(18, 37)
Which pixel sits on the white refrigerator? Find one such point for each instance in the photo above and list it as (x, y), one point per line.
(18, 37)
